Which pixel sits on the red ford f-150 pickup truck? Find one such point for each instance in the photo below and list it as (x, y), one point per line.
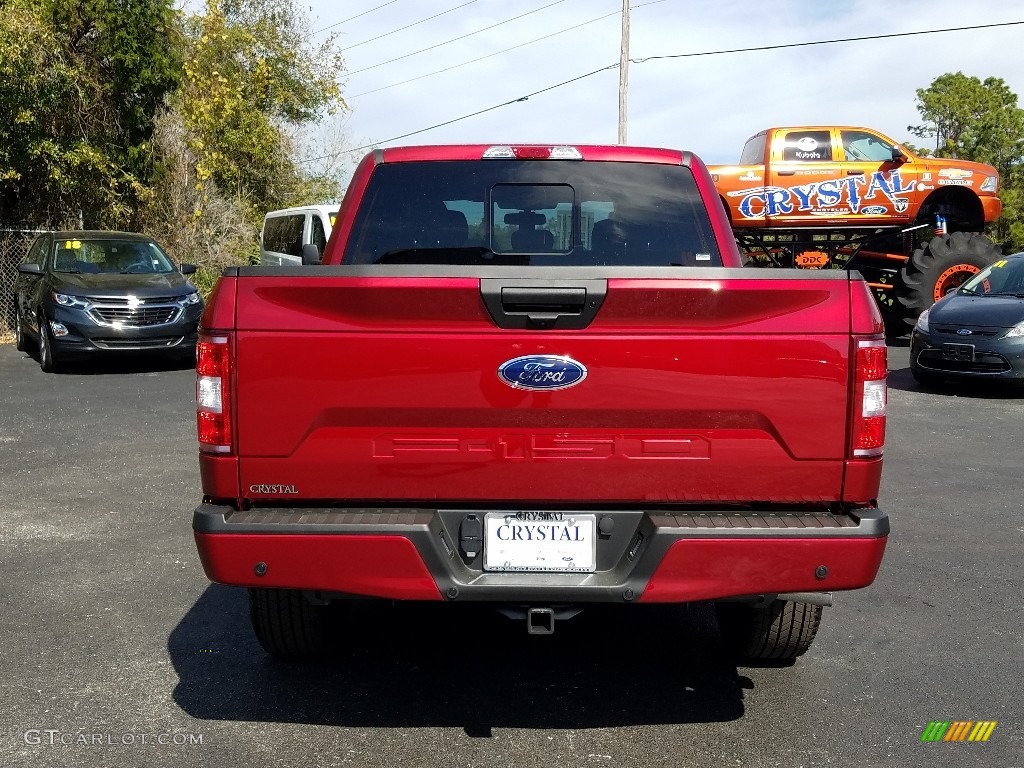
(537, 377)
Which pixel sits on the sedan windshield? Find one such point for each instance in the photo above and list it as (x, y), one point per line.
(1004, 278)
(110, 256)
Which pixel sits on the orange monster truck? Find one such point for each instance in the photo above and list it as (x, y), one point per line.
(850, 198)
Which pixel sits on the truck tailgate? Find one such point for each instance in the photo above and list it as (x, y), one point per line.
(381, 384)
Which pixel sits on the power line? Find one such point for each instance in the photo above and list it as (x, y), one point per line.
(350, 18)
(671, 56)
(828, 42)
(498, 53)
(454, 39)
(465, 117)
(489, 55)
(407, 26)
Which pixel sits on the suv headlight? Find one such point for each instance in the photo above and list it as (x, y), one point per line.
(189, 299)
(67, 300)
(922, 322)
(1016, 332)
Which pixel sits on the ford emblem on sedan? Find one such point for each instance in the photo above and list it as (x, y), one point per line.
(964, 332)
(542, 372)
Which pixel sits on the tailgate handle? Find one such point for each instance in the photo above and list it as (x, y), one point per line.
(544, 301)
(542, 304)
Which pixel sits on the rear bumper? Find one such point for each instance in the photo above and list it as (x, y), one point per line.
(650, 556)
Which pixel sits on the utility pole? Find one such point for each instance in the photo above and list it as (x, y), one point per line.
(623, 71)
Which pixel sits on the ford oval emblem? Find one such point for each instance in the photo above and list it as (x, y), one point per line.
(964, 332)
(542, 372)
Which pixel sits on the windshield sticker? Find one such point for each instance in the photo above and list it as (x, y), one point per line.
(72, 245)
(825, 195)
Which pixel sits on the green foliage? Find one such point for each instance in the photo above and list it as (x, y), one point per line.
(979, 120)
(80, 83)
(250, 72)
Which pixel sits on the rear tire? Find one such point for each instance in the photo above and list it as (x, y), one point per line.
(780, 630)
(289, 626)
(940, 266)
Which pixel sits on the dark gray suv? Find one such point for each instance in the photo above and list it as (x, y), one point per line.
(88, 293)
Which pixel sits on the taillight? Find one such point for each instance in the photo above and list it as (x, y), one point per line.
(532, 152)
(213, 390)
(870, 396)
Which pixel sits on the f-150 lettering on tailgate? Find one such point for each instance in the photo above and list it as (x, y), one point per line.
(526, 446)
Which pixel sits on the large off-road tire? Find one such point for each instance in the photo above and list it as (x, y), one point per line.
(289, 626)
(940, 266)
(777, 631)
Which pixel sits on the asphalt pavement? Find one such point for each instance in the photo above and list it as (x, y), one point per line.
(116, 651)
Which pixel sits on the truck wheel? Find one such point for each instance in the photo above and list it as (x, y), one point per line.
(940, 266)
(777, 631)
(289, 626)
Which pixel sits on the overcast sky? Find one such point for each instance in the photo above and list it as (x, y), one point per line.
(709, 104)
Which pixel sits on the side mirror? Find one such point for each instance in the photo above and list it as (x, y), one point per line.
(30, 269)
(898, 156)
(310, 255)
(188, 269)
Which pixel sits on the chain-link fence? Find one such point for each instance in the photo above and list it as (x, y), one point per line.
(14, 245)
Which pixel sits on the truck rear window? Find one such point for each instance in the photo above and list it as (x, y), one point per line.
(532, 213)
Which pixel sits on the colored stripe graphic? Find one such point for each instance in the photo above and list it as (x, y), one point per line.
(958, 730)
(982, 731)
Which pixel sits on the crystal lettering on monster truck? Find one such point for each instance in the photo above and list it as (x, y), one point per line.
(778, 201)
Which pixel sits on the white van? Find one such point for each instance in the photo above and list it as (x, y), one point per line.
(287, 234)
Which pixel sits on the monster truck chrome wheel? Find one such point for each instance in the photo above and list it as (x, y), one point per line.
(940, 266)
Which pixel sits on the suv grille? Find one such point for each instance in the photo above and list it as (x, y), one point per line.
(139, 317)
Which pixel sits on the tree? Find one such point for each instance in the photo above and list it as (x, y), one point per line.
(80, 84)
(251, 73)
(981, 121)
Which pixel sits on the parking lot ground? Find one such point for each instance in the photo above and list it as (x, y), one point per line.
(113, 637)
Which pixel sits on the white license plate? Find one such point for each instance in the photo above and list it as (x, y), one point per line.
(549, 542)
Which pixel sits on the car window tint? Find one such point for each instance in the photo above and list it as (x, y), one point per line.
(753, 150)
(283, 234)
(319, 237)
(109, 255)
(550, 213)
(36, 252)
(807, 147)
(865, 147)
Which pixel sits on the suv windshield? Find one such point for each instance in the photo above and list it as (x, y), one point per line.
(537, 213)
(109, 255)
